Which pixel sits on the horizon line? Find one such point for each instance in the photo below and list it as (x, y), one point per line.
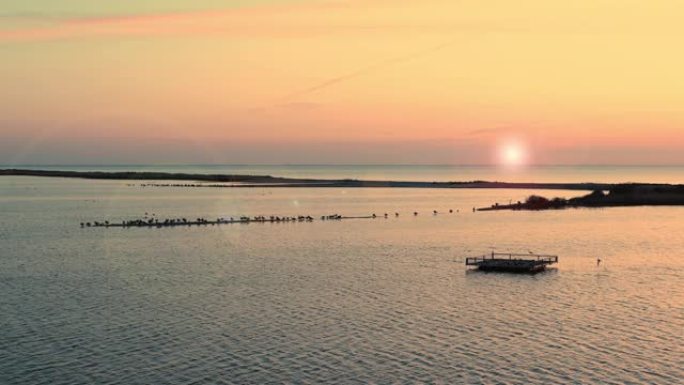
(331, 165)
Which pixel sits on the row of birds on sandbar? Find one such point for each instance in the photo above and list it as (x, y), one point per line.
(150, 220)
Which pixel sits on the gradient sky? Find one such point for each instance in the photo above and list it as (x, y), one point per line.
(368, 81)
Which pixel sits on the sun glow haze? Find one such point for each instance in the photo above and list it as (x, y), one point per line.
(365, 81)
(513, 154)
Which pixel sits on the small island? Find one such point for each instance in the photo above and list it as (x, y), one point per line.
(616, 196)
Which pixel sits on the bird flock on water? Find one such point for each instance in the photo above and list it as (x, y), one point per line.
(151, 220)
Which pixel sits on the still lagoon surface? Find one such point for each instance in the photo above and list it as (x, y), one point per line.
(364, 301)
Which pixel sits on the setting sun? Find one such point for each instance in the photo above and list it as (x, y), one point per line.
(512, 154)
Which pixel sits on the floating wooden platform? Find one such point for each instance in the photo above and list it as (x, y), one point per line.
(512, 262)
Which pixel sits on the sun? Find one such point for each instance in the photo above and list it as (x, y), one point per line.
(512, 154)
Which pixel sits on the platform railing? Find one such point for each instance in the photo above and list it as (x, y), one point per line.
(543, 258)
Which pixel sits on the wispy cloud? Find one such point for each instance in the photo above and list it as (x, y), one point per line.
(236, 21)
(300, 19)
(373, 67)
(29, 16)
(485, 131)
(65, 27)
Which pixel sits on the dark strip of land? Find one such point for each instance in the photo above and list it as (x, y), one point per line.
(271, 181)
(617, 196)
(603, 194)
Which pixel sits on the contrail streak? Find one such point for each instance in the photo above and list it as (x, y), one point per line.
(368, 69)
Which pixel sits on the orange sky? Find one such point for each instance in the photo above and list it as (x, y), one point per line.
(588, 81)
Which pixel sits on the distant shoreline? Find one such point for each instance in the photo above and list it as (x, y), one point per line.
(245, 181)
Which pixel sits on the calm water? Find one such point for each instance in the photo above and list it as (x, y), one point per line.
(349, 302)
